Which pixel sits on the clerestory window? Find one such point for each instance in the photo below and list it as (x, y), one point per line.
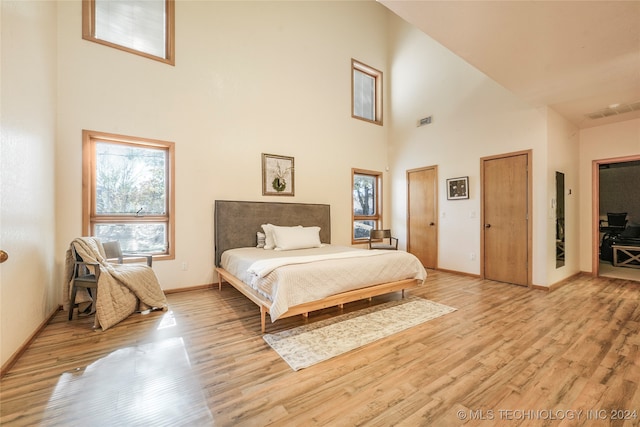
(142, 27)
(366, 94)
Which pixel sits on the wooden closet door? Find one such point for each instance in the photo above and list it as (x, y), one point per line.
(505, 198)
(422, 231)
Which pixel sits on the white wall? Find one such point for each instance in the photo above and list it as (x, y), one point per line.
(250, 78)
(600, 143)
(563, 156)
(473, 117)
(28, 58)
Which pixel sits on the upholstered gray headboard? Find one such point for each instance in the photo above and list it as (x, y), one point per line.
(237, 222)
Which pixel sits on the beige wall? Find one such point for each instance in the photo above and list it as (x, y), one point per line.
(27, 215)
(563, 156)
(600, 143)
(250, 78)
(473, 117)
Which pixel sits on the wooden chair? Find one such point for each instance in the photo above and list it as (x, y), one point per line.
(86, 274)
(113, 251)
(382, 239)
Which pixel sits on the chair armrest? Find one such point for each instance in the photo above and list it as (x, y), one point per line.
(88, 264)
(147, 257)
(95, 265)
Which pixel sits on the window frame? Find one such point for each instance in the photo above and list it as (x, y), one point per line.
(377, 76)
(90, 219)
(377, 217)
(89, 32)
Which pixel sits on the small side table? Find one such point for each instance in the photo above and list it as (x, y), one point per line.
(632, 251)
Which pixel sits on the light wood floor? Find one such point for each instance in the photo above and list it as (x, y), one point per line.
(508, 356)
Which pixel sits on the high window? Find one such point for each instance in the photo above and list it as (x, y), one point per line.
(128, 192)
(366, 94)
(143, 27)
(366, 203)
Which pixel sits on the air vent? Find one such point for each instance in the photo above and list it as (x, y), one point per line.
(425, 121)
(615, 110)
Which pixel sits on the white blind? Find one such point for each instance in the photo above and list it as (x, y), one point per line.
(364, 95)
(136, 24)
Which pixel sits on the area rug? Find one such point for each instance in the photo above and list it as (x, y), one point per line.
(307, 345)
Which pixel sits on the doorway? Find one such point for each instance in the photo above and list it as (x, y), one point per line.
(614, 181)
(506, 218)
(422, 212)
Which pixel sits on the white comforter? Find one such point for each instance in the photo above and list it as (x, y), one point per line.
(290, 278)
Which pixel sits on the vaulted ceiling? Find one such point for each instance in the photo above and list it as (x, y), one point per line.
(580, 58)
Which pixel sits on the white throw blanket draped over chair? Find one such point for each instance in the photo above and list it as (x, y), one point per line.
(123, 288)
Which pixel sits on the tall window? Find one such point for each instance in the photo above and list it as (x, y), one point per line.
(128, 192)
(366, 203)
(143, 27)
(366, 95)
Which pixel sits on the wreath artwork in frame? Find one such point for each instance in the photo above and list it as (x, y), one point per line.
(458, 188)
(277, 175)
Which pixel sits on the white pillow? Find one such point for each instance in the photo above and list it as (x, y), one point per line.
(289, 238)
(268, 238)
(260, 237)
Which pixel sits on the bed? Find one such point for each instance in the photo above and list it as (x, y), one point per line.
(302, 271)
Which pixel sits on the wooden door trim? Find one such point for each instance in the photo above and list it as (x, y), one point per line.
(529, 155)
(595, 207)
(437, 213)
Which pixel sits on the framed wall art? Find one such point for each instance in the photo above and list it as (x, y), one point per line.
(277, 175)
(458, 188)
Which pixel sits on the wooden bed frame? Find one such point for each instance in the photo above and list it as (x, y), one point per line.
(236, 225)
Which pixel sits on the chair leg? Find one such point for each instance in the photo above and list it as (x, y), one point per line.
(94, 304)
(72, 302)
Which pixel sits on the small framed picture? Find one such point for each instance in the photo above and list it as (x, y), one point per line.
(458, 188)
(277, 175)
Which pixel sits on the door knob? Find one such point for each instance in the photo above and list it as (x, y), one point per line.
(487, 226)
(432, 223)
(3, 256)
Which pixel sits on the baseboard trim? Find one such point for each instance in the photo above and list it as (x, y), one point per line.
(15, 356)
(461, 273)
(569, 279)
(190, 288)
(540, 288)
(550, 288)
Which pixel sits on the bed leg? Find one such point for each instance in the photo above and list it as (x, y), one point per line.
(263, 322)
(305, 315)
(403, 294)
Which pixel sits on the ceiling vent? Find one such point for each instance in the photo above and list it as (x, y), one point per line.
(425, 121)
(614, 110)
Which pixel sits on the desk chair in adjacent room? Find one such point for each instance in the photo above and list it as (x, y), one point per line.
(615, 222)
